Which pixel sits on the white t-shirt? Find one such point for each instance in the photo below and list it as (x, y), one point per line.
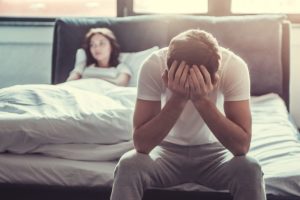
(190, 128)
(92, 71)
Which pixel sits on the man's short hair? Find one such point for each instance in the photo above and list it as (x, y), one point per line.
(196, 47)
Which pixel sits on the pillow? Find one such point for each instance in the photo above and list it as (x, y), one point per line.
(134, 61)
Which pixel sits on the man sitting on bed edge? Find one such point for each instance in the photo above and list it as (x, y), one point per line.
(192, 122)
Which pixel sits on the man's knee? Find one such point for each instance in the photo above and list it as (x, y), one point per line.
(245, 166)
(133, 161)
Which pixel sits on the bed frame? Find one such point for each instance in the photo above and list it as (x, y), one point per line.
(38, 192)
(263, 42)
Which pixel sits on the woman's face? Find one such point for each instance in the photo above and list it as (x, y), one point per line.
(100, 47)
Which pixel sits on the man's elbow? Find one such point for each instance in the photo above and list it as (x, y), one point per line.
(241, 150)
(139, 145)
(243, 147)
(141, 150)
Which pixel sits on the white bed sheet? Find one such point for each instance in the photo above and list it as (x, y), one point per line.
(39, 169)
(274, 144)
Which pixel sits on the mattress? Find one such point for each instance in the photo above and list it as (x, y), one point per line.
(274, 144)
(40, 169)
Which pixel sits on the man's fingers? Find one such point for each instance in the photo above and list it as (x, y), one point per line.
(194, 79)
(172, 71)
(183, 78)
(187, 85)
(191, 83)
(206, 75)
(199, 77)
(179, 72)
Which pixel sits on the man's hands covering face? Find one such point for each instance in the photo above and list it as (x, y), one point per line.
(176, 79)
(200, 83)
(187, 82)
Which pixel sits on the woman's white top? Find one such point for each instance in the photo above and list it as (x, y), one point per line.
(93, 71)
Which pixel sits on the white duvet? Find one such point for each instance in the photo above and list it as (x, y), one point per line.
(67, 120)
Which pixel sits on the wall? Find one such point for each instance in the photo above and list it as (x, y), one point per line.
(25, 54)
(295, 74)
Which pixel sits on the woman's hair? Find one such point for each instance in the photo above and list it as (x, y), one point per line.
(195, 47)
(115, 47)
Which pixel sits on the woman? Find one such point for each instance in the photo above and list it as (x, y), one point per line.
(100, 59)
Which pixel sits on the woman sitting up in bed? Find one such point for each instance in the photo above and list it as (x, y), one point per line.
(99, 59)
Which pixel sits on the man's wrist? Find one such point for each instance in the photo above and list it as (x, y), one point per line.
(202, 103)
(178, 100)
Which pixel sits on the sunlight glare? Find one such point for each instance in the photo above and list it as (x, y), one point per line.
(265, 6)
(170, 6)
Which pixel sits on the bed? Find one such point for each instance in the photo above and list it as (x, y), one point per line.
(79, 164)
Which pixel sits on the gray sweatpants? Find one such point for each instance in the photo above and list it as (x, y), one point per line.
(169, 164)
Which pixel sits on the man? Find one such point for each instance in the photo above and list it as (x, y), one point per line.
(192, 122)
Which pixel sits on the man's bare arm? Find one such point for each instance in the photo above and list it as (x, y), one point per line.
(232, 130)
(151, 123)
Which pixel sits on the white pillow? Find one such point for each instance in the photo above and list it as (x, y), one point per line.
(134, 61)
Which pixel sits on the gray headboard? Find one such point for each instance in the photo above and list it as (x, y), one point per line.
(261, 40)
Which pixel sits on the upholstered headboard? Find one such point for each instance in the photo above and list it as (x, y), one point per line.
(261, 40)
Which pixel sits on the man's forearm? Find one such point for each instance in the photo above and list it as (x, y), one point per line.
(231, 135)
(150, 134)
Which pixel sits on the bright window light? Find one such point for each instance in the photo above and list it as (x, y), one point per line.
(265, 6)
(170, 6)
(58, 8)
